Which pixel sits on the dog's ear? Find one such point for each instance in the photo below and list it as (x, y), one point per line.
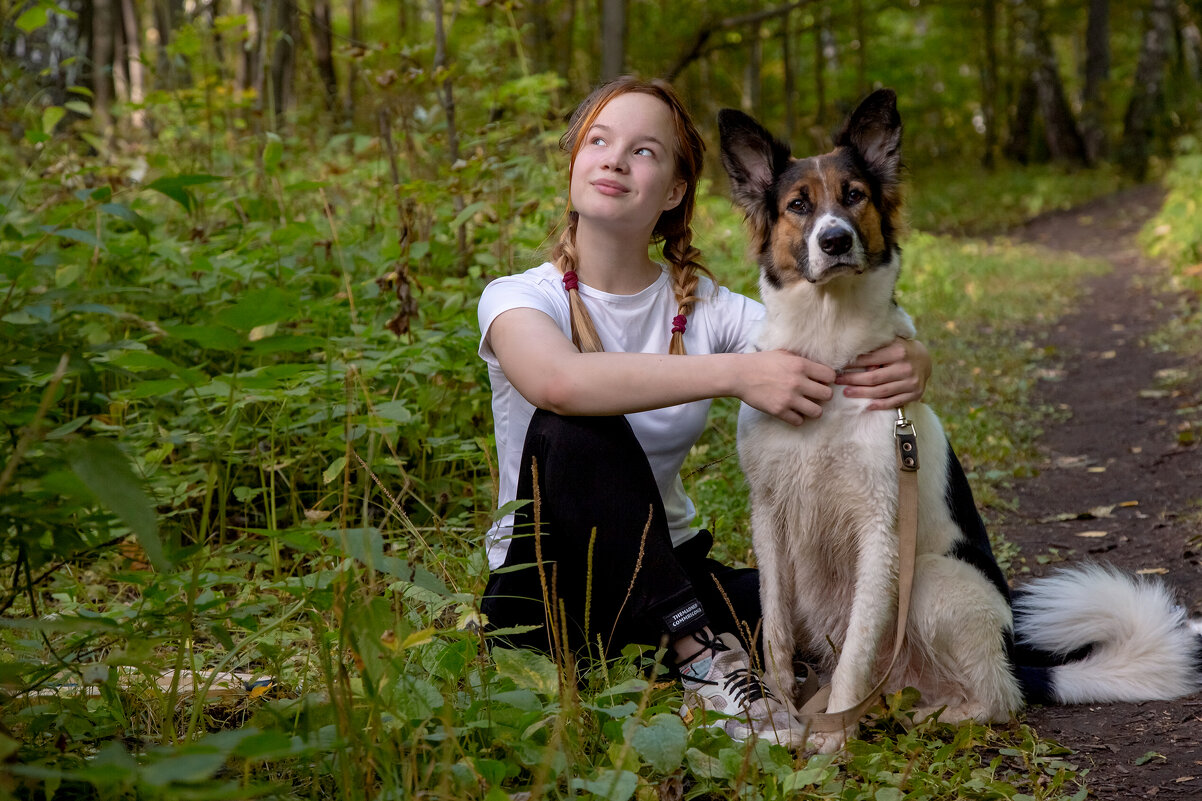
(874, 130)
(753, 158)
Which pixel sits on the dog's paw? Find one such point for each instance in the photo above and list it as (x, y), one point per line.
(830, 742)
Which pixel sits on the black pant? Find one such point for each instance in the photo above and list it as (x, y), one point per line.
(606, 552)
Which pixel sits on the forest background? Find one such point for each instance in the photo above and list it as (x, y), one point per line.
(247, 457)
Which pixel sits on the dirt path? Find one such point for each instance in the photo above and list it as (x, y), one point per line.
(1120, 465)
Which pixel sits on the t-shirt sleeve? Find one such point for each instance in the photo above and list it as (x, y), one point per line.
(741, 317)
(503, 294)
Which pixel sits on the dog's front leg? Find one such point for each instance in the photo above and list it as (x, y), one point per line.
(777, 597)
(872, 610)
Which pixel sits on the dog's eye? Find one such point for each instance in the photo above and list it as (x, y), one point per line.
(799, 205)
(855, 196)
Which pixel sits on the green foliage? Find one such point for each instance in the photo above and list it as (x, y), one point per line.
(1175, 233)
(970, 201)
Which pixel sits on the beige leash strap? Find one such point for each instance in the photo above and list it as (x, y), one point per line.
(813, 716)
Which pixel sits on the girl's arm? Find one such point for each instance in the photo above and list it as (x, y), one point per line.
(545, 367)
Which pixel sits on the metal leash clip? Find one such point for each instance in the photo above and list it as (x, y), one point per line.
(907, 442)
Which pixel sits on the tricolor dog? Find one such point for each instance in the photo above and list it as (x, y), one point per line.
(824, 494)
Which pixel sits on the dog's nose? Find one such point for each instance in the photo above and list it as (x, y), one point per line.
(835, 242)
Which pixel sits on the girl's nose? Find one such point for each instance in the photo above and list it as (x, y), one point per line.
(615, 161)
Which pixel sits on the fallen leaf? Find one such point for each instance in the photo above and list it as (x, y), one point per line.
(1152, 571)
(1070, 461)
(1107, 354)
(1148, 757)
(1182, 779)
(1172, 374)
(1137, 449)
(1095, 469)
(1101, 511)
(1128, 504)
(1060, 518)
(1092, 533)
(1153, 393)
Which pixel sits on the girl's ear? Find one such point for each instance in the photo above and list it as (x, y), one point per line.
(676, 195)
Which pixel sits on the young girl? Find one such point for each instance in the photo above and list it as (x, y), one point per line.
(603, 363)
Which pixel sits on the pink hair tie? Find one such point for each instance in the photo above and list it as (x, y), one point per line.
(570, 281)
(678, 324)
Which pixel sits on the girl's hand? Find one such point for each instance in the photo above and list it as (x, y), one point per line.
(891, 376)
(784, 385)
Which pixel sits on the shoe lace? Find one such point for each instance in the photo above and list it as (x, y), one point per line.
(746, 686)
(708, 642)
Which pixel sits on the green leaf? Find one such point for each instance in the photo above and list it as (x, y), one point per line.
(32, 19)
(51, 117)
(288, 343)
(67, 428)
(334, 470)
(273, 151)
(662, 742)
(394, 411)
(264, 745)
(258, 307)
(207, 336)
(8, 747)
(612, 785)
(528, 669)
(106, 471)
(140, 223)
(176, 187)
(196, 764)
(76, 235)
(468, 212)
(79, 107)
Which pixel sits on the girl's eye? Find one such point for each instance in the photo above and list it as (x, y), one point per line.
(597, 140)
(645, 151)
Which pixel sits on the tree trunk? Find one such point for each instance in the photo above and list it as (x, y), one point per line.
(131, 29)
(786, 57)
(352, 73)
(283, 56)
(447, 98)
(1060, 126)
(1147, 93)
(989, 81)
(568, 28)
(323, 50)
(862, 86)
(613, 38)
(819, 73)
(102, 65)
(1022, 124)
(1191, 47)
(1097, 73)
(752, 70)
(541, 41)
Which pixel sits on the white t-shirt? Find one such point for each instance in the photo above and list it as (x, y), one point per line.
(721, 322)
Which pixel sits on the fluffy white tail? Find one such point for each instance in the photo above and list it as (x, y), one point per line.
(1143, 647)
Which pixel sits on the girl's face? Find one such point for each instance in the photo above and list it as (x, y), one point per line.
(624, 173)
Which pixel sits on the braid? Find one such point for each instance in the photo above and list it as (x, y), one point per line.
(563, 255)
(683, 263)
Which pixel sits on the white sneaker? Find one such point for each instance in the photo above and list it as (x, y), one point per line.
(730, 687)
